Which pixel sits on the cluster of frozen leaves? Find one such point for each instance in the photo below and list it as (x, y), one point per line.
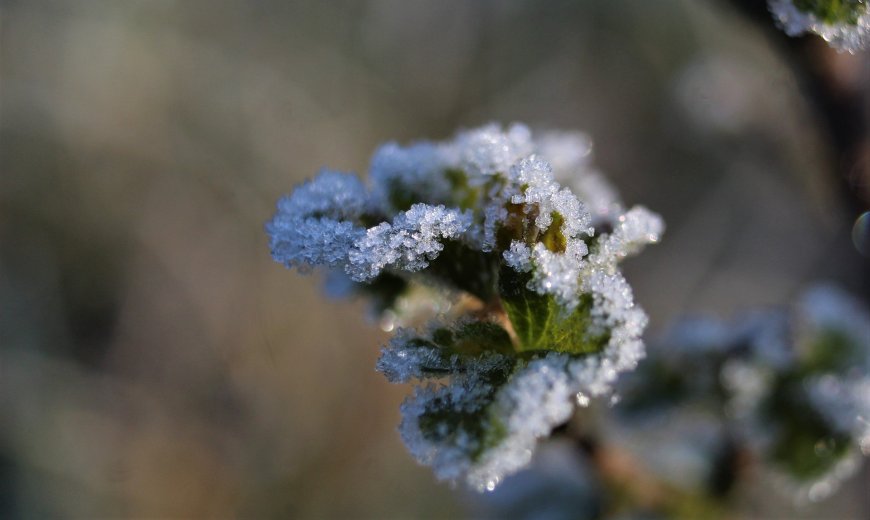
(791, 386)
(483, 214)
(844, 24)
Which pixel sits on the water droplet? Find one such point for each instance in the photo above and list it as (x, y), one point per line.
(388, 321)
(582, 399)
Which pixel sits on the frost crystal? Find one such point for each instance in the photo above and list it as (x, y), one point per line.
(519, 257)
(558, 274)
(408, 244)
(538, 396)
(845, 25)
(542, 318)
(399, 174)
(488, 150)
(570, 154)
(310, 227)
(633, 231)
(312, 241)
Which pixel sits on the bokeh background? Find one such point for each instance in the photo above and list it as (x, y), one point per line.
(155, 362)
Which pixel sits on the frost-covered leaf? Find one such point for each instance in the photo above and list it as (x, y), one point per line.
(540, 322)
(630, 232)
(481, 427)
(461, 418)
(844, 24)
(461, 267)
(483, 219)
(402, 176)
(834, 11)
(413, 239)
(440, 351)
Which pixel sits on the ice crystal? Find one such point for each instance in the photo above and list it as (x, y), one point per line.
(519, 257)
(400, 174)
(408, 244)
(484, 214)
(844, 24)
(570, 153)
(489, 150)
(558, 273)
(311, 226)
(633, 231)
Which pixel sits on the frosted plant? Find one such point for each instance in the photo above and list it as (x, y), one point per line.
(540, 318)
(790, 385)
(844, 24)
(779, 392)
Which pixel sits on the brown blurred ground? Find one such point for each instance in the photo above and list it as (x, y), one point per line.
(155, 362)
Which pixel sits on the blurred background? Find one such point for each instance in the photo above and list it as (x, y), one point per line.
(154, 360)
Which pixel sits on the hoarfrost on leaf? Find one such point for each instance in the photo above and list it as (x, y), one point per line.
(540, 312)
(408, 244)
(311, 241)
(489, 150)
(844, 24)
(402, 174)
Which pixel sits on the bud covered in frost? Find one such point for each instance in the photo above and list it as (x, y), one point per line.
(484, 215)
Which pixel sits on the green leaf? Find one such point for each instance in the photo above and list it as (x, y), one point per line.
(804, 444)
(399, 196)
(478, 337)
(464, 422)
(468, 341)
(469, 418)
(464, 195)
(465, 269)
(831, 350)
(834, 11)
(473, 339)
(540, 323)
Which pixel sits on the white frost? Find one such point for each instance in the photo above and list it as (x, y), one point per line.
(841, 36)
(409, 243)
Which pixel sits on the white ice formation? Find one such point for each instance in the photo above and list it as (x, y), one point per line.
(842, 35)
(523, 223)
